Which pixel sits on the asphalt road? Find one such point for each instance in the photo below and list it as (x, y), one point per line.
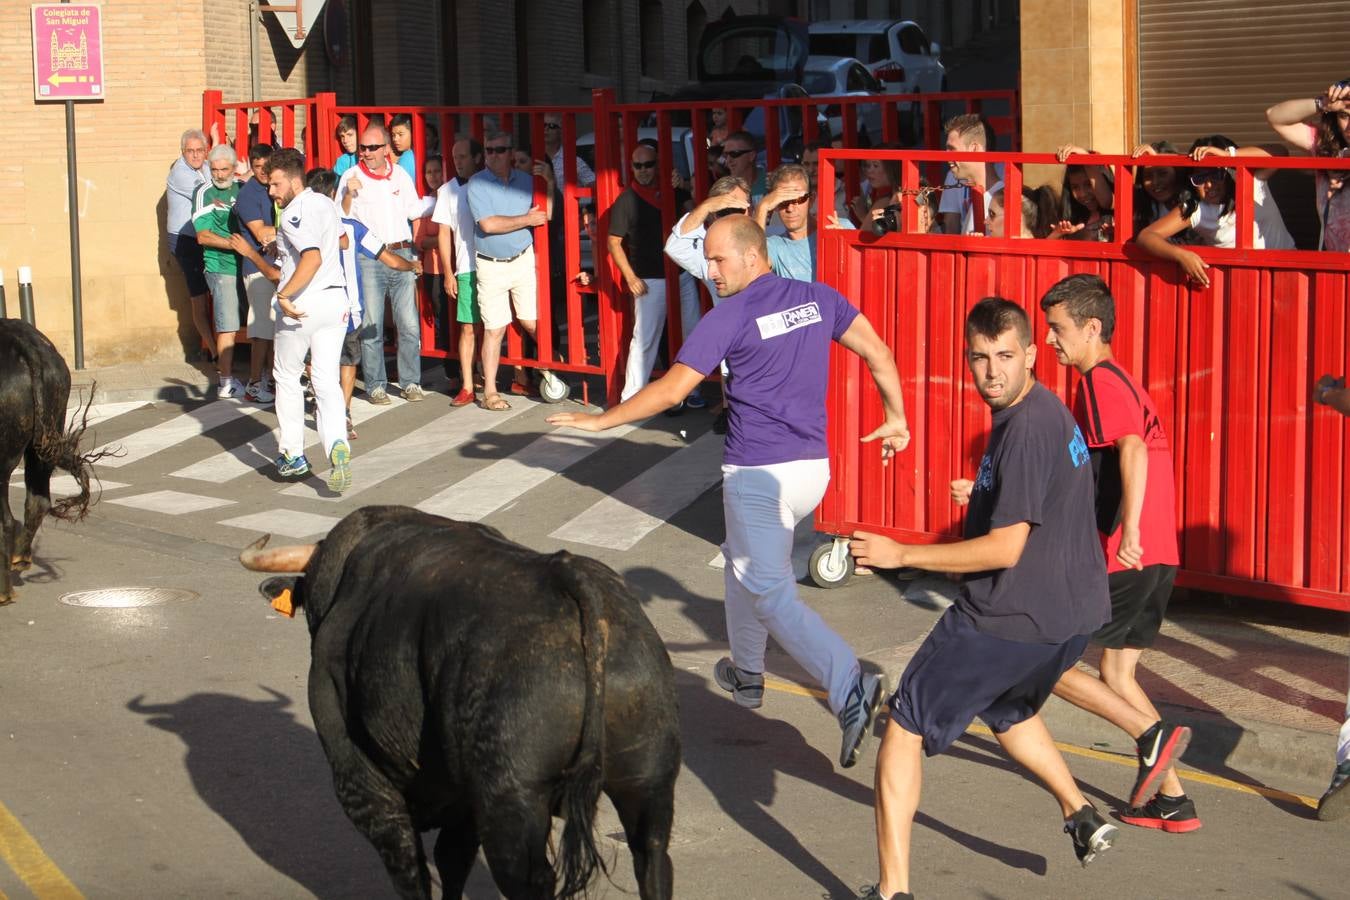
(167, 751)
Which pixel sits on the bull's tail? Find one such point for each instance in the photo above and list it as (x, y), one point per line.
(61, 450)
(579, 858)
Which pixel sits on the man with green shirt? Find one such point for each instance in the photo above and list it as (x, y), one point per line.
(214, 218)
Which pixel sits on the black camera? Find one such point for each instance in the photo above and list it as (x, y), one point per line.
(889, 220)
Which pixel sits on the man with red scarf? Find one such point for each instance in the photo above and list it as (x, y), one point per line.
(636, 239)
(381, 196)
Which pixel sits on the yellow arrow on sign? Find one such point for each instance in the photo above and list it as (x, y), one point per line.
(62, 79)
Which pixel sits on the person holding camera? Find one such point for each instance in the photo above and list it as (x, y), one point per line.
(791, 255)
(1321, 126)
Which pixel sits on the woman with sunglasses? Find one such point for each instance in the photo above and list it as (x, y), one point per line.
(1321, 126)
(1213, 219)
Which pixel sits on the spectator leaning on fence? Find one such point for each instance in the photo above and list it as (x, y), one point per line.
(969, 134)
(382, 196)
(214, 217)
(1158, 189)
(791, 255)
(346, 138)
(256, 217)
(1088, 197)
(553, 147)
(427, 241)
(400, 143)
(455, 243)
(187, 173)
(1214, 220)
(1321, 126)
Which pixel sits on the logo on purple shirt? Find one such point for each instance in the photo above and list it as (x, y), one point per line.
(780, 323)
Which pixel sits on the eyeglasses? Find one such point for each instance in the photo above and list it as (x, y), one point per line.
(645, 165)
(369, 148)
(552, 126)
(491, 150)
(737, 154)
(1200, 176)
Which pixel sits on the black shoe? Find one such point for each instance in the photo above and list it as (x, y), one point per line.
(1091, 834)
(676, 410)
(720, 423)
(873, 892)
(1175, 815)
(1158, 748)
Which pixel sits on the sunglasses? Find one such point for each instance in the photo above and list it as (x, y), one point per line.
(731, 212)
(645, 165)
(737, 154)
(369, 148)
(552, 126)
(491, 150)
(1199, 177)
(798, 201)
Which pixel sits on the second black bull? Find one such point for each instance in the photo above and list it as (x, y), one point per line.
(463, 682)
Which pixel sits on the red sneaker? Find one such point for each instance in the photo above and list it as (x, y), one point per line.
(463, 398)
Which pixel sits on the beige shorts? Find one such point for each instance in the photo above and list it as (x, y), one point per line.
(261, 324)
(502, 286)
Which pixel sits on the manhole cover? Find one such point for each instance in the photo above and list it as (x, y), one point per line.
(126, 597)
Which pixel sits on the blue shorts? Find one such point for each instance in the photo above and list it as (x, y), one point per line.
(224, 301)
(961, 673)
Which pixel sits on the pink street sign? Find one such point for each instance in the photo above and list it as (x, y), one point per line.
(67, 51)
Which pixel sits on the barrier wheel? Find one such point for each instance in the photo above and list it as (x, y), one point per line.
(829, 569)
(553, 389)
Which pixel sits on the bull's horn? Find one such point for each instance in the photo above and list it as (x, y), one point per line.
(292, 559)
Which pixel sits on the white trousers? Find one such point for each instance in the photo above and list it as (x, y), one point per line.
(1343, 743)
(319, 333)
(763, 505)
(649, 315)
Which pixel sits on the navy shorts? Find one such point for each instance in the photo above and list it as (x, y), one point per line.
(1139, 599)
(190, 260)
(961, 673)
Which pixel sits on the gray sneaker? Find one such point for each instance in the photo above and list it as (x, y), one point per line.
(413, 392)
(856, 717)
(746, 688)
(379, 397)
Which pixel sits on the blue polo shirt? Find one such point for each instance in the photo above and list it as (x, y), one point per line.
(489, 197)
(253, 205)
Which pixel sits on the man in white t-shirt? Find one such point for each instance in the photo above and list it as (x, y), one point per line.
(311, 317)
(456, 243)
(380, 195)
(968, 133)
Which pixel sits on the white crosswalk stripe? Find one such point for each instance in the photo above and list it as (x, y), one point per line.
(284, 521)
(263, 450)
(437, 437)
(488, 490)
(141, 444)
(632, 512)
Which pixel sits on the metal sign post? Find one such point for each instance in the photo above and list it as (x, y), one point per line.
(68, 66)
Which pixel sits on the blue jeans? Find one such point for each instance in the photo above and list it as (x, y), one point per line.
(377, 279)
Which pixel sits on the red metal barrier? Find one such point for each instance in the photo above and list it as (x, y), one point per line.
(1261, 472)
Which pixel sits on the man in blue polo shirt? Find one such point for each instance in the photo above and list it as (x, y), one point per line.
(257, 225)
(775, 335)
(501, 200)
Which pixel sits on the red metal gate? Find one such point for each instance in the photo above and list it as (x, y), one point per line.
(1261, 472)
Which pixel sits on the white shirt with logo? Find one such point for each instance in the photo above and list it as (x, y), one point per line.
(385, 202)
(310, 222)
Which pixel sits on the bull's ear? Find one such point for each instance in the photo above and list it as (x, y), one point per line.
(280, 592)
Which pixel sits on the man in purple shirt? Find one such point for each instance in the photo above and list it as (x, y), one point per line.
(775, 337)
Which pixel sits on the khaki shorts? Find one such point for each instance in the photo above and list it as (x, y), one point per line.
(261, 323)
(502, 286)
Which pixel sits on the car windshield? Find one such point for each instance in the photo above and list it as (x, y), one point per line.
(819, 83)
(751, 53)
(833, 44)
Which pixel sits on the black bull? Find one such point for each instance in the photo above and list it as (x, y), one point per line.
(34, 390)
(463, 682)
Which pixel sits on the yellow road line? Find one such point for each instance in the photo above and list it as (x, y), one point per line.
(786, 687)
(22, 854)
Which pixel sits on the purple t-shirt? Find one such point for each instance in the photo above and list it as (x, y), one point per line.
(775, 336)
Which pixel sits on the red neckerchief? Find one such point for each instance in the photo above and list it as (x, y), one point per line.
(384, 177)
(651, 194)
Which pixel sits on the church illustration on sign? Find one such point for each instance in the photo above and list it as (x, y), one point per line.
(69, 55)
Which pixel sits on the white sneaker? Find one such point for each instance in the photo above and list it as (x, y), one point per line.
(230, 389)
(413, 393)
(257, 392)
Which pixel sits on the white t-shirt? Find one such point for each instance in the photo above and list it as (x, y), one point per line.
(386, 202)
(452, 210)
(968, 216)
(310, 222)
(1268, 229)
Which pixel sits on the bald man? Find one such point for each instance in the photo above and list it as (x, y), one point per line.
(775, 335)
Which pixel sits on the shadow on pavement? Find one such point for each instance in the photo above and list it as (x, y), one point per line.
(266, 776)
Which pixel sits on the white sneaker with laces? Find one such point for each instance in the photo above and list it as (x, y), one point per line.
(230, 389)
(257, 392)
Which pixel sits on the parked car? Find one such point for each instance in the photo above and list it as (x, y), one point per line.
(898, 54)
(844, 76)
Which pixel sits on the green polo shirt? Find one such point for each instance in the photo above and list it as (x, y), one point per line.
(213, 211)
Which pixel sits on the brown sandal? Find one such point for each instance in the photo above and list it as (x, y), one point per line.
(495, 403)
